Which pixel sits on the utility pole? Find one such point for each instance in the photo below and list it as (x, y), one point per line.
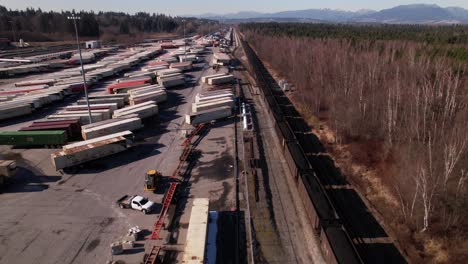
(74, 18)
(185, 43)
(13, 31)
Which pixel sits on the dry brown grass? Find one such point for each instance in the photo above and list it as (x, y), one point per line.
(434, 247)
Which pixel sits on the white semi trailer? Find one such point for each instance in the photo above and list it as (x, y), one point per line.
(81, 152)
(208, 115)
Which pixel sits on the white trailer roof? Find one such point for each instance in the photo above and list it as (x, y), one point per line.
(196, 233)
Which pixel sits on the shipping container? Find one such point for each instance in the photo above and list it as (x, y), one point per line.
(123, 90)
(184, 66)
(157, 63)
(47, 122)
(131, 83)
(188, 58)
(226, 92)
(172, 82)
(33, 138)
(197, 107)
(153, 69)
(195, 245)
(216, 92)
(156, 96)
(205, 78)
(7, 112)
(168, 46)
(129, 124)
(143, 111)
(221, 58)
(119, 101)
(112, 107)
(100, 123)
(30, 89)
(106, 96)
(208, 115)
(220, 80)
(143, 79)
(167, 71)
(106, 113)
(168, 76)
(84, 118)
(199, 99)
(146, 89)
(35, 82)
(71, 132)
(81, 152)
(140, 74)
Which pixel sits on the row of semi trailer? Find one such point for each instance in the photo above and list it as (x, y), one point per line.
(116, 115)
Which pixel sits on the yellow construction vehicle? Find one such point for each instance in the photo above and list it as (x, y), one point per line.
(153, 178)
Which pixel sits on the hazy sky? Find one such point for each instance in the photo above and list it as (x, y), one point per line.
(180, 7)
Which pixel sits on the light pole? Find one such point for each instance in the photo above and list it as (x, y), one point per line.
(74, 18)
(185, 43)
(13, 31)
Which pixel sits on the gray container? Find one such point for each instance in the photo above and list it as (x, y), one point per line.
(206, 78)
(156, 96)
(119, 101)
(14, 111)
(199, 99)
(197, 107)
(106, 113)
(81, 152)
(208, 115)
(142, 111)
(220, 80)
(129, 124)
(172, 82)
(84, 118)
(112, 106)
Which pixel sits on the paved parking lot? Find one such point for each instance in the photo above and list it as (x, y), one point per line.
(48, 217)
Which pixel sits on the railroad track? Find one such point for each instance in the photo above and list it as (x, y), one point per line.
(34, 51)
(348, 232)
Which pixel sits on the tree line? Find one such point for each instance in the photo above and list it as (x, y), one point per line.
(91, 24)
(448, 40)
(388, 90)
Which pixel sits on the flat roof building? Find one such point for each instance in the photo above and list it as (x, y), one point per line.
(93, 44)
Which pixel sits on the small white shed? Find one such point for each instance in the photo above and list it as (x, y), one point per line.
(93, 44)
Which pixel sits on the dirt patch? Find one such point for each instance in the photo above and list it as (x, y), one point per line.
(220, 203)
(219, 169)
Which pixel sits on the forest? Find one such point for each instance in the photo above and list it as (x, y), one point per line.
(37, 25)
(395, 98)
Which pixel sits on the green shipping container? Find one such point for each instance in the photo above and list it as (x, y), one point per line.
(33, 138)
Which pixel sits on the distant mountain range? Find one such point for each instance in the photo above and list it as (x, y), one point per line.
(404, 14)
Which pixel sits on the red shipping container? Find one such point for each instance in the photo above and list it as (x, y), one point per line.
(74, 124)
(110, 88)
(71, 132)
(168, 46)
(54, 122)
(158, 63)
(20, 91)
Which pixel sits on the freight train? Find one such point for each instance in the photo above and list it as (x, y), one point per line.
(339, 216)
